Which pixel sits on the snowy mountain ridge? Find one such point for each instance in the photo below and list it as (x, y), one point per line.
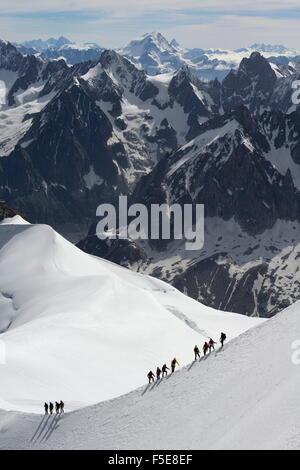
(244, 397)
(153, 53)
(40, 45)
(66, 314)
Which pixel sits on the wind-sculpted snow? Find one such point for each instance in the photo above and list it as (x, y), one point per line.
(81, 329)
(242, 397)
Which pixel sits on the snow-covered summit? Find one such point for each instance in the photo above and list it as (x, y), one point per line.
(148, 41)
(155, 54)
(16, 220)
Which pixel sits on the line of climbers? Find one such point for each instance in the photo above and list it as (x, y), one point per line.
(208, 346)
(59, 407)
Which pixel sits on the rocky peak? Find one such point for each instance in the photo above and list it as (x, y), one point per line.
(109, 57)
(10, 57)
(6, 211)
(175, 44)
(183, 74)
(258, 66)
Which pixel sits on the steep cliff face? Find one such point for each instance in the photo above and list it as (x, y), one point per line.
(249, 261)
(6, 211)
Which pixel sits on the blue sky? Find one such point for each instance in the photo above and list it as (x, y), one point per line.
(202, 23)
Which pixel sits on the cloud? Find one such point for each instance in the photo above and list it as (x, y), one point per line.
(132, 6)
(233, 31)
(112, 23)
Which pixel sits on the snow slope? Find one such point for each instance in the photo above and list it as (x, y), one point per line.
(13, 125)
(244, 397)
(81, 329)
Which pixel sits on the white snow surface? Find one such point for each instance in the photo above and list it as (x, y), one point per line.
(81, 329)
(78, 47)
(7, 79)
(12, 124)
(16, 220)
(192, 149)
(245, 396)
(92, 179)
(167, 56)
(234, 58)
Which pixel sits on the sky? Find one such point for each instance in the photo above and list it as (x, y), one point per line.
(194, 23)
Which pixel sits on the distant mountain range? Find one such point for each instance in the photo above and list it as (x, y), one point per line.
(39, 45)
(155, 54)
(61, 48)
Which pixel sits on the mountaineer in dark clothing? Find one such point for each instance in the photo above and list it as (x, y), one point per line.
(173, 364)
(222, 339)
(197, 352)
(150, 376)
(205, 348)
(211, 344)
